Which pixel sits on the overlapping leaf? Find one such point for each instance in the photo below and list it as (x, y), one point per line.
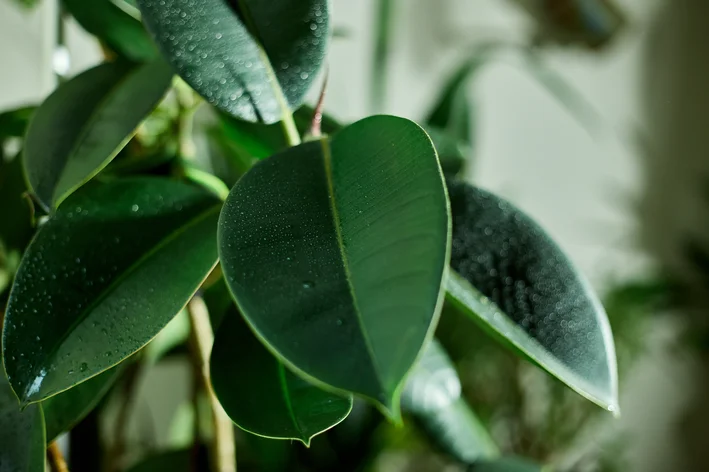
(22, 443)
(433, 395)
(117, 23)
(335, 252)
(277, 403)
(62, 412)
(102, 277)
(253, 59)
(81, 127)
(516, 282)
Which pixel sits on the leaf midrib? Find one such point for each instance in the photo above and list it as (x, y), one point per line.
(327, 159)
(118, 280)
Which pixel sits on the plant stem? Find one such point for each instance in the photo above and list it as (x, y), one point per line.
(117, 449)
(290, 130)
(202, 337)
(381, 54)
(187, 106)
(316, 126)
(56, 458)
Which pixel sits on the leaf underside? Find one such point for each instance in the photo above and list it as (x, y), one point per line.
(512, 278)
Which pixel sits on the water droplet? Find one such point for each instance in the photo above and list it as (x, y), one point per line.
(83, 367)
(134, 208)
(308, 284)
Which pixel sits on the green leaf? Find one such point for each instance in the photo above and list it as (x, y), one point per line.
(335, 252)
(253, 59)
(22, 442)
(510, 277)
(507, 464)
(117, 23)
(62, 412)
(277, 403)
(13, 123)
(81, 127)
(433, 395)
(15, 214)
(102, 277)
(452, 153)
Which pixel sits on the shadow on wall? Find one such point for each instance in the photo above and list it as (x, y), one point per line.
(675, 210)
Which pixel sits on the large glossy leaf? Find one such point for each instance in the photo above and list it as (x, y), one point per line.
(516, 282)
(81, 127)
(102, 277)
(277, 403)
(335, 252)
(433, 395)
(62, 412)
(117, 23)
(253, 59)
(22, 442)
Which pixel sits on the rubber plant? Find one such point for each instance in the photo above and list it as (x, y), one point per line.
(321, 254)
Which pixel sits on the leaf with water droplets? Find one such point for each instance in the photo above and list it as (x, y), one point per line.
(433, 395)
(253, 59)
(335, 251)
(108, 270)
(117, 23)
(22, 443)
(515, 281)
(83, 125)
(62, 412)
(277, 403)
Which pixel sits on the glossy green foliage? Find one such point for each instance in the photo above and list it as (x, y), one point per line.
(433, 395)
(117, 23)
(452, 152)
(22, 441)
(513, 279)
(335, 251)
(81, 127)
(102, 277)
(277, 403)
(253, 59)
(62, 412)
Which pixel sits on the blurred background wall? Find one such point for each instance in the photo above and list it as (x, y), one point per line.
(637, 181)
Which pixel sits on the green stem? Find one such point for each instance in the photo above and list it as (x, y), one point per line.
(381, 54)
(202, 339)
(290, 130)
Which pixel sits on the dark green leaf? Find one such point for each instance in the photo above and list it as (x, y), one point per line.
(62, 412)
(433, 395)
(276, 403)
(13, 123)
(102, 277)
(117, 23)
(382, 48)
(81, 127)
(335, 251)
(515, 281)
(15, 213)
(507, 464)
(22, 442)
(451, 152)
(253, 59)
